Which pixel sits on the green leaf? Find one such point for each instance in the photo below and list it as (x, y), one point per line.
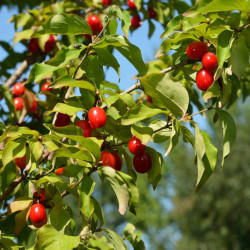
(116, 240)
(70, 108)
(64, 24)
(229, 132)
(63, 56)
(2, 126)
(21, 219)
(138, 113)
(171, 94)
(85, 192)
(98, 211)
(126, 22)
(133, 54)
(36, 149)
(19, 204)
(49, 238)
(240, 56)
(12, 150)
(68, 81)
(223, 47)
(154, 175)
(142, 133)
(115, 11)
(175, 133)
(161, 136)
(7, 242)
(24, 34)
(187, 135)
(59, 217)
(112, 40)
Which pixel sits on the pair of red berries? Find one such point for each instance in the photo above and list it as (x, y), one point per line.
(111, 159)
(95, 24)
(18, 102)
(38, 215)
(205, 77)
(142, 161)
(33, 45)
(18, 89)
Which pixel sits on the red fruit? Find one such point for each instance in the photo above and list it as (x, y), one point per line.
(40, 196)
(196, 50)
(135, 146)
(87, 36)
(131, 4)
(45, 87)
(136, 21)
(49, 45)
(33, 46)
(97, 117)
(18, 102)
(149, 99)
(59, 171)
(20, 162)
(86, 128)
(209, 60)
(108, 159)
(204, 79)
(118, 161)
(42, 223)
(95, 24)
(142, 163)
(106, 2)
(18, 89)
(62, 120)
(152, 12)
(37, 214)
(34, 106)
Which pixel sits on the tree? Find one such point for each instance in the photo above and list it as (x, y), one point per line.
(57, 154)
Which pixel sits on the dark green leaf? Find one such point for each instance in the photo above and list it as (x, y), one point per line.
(115, 239)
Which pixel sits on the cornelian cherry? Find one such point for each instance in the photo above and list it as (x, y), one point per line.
(118, 161)
(62, 120)
(204, 79)
(136, 21)
(97, 117)
(142, 163)
(59, 171)
(34, 106)
(33, 46)
(131, 4)
(40, 224)
(95, 24)
(20, 162)
(46, 87)
(152, 12)
(106, 2)
(49, 45)
(196, 50)
(209, 60)
(135, 146)
(37, 214)
(108, 159)
(18, 102)
(39, 196)
(86, 128)
(18, 89)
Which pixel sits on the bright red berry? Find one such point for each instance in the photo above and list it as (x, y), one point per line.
(142, 163)
(196, 50)
(95, 24)
(20, 162)
(39, 196)
(18, 102)
(136, 21)
(204, 79)
(135, 146)
(37, 213)
(40, 224)
(86, 128)
(209, 60)
(49, 45)
(18, 89)
(131, 4)
(118, 161)
(108, 159)
(59, 171)
(34, 106)
(149, 99)
(33, 46)
(46, 87)
(152, 12)
(97, 117)
(106, 2)
(62, 120)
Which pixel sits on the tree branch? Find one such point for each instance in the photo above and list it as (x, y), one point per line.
(177, 66)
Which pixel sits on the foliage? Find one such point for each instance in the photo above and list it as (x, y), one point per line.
(76, 65)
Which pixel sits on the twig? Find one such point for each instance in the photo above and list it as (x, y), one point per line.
(177, 66)
(204, 110)
(101, 31)
(21, 118)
